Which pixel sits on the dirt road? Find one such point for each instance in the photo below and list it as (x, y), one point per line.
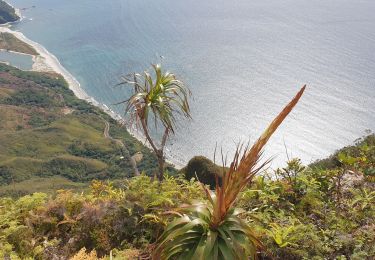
(124, 150)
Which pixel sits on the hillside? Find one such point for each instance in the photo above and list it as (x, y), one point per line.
(66, 154)
(70, 186)
(317, 212)
(7, 13)
(45, 132)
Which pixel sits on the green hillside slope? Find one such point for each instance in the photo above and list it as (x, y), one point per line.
(45, 131)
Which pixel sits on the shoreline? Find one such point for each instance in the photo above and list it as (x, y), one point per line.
(17, 11)
(47, 62)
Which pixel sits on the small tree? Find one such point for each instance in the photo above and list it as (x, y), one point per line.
(162, 98)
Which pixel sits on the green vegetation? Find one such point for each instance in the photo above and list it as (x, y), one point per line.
(7, 13)
(48, 185)
(105, 218)
(203, 169)
(51, 141)
(160, 98)
(293, 218)
(214, 230)
(354, 155)
(11, 43)
(45, 131)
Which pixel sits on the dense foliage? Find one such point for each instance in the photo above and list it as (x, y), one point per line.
(203, 169)
(307, 213)
(7, 13)
(38, 226)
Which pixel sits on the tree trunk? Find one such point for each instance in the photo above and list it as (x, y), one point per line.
(161, 166)
(159, 152)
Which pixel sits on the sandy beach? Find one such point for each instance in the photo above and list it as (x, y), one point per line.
(47, 62)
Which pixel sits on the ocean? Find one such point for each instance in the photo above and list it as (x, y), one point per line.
(243, 61)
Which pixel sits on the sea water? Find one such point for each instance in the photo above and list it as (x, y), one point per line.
(243, 61)
(21, 61)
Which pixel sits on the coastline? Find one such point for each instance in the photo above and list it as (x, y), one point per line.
(47, 62)
(17, 11)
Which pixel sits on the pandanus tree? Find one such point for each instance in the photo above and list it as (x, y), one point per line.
(159, 97)
(214, 230)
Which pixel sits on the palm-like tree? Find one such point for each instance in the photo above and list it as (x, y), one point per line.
(161, 99)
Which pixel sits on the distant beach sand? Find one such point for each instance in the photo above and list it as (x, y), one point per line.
(47, 62)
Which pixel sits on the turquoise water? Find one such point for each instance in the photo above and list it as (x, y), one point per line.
(242, 59)
(21, 61)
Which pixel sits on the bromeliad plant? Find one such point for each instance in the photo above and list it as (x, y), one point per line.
(214, 230)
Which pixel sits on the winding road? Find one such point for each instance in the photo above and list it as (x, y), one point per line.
(124, 150)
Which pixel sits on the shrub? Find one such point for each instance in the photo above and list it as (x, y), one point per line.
(202, 168)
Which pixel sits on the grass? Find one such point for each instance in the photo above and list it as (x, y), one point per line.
(15, 169)
(12, 117)
(47, 185)
(4, 93)
(51, 145)
(11, 43)
(38, 139)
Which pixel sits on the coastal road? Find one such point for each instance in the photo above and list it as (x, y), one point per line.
(124, 150)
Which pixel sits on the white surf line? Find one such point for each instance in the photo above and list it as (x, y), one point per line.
(47, 62)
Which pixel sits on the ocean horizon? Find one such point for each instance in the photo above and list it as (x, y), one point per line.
(242, 60)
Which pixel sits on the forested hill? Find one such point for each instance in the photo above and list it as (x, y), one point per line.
(49, 139)
(7, 13)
